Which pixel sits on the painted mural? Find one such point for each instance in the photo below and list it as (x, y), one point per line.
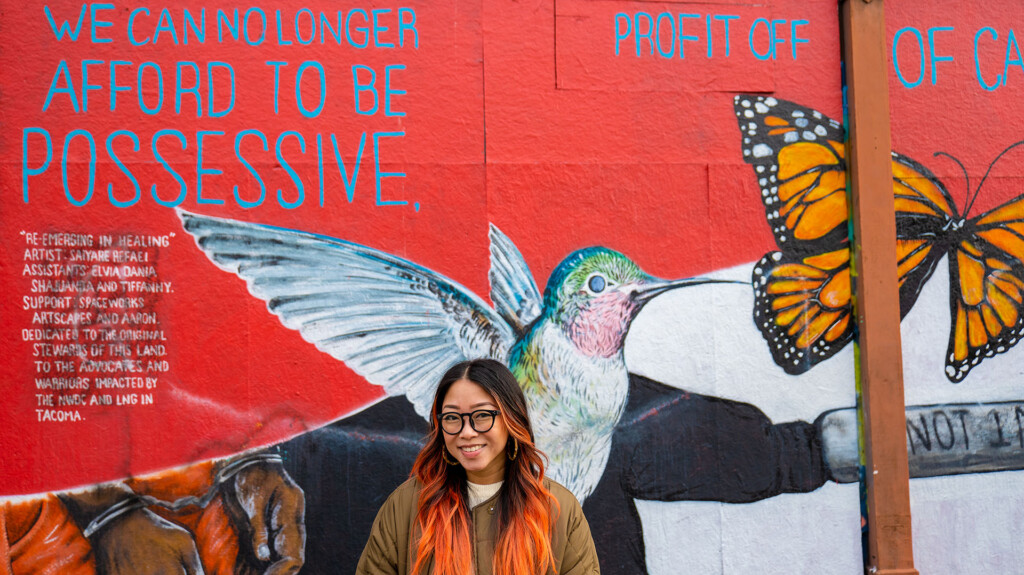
(241, 244)
(803, 293)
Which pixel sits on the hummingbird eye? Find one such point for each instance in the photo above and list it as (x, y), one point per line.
(597, 283)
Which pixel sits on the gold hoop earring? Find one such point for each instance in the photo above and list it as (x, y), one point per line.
(515, 450)
(445, 455)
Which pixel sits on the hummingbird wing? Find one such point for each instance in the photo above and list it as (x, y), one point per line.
(513, 291)
(395, 323)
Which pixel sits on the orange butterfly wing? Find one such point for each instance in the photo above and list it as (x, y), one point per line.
(925, 213)
(798, 158)
(802, 293)
(802, 307)
(986, 267)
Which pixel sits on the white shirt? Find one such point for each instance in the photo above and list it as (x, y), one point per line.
(480, 493)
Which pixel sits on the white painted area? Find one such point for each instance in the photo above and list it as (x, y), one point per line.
(968, 524)
(815, 532)
(965, 524)
(703, 339)
(925, 333)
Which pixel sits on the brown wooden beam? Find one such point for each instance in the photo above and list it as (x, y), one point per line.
(876, 304)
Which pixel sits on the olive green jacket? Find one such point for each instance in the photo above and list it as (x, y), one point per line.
(391, 547)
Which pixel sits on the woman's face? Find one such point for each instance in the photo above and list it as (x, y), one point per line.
(481, 454)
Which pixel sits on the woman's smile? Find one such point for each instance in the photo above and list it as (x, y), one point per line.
(482, 454)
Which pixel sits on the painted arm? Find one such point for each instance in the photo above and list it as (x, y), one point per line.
(138, 540)
(205, 517)
(674, 446)
(246, 513)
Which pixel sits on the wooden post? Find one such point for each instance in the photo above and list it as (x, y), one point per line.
(876, 305)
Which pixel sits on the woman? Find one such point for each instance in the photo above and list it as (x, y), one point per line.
(477, 500)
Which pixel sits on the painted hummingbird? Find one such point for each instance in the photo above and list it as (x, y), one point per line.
(400, 325)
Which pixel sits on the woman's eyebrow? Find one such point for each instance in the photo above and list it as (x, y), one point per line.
(474, 406)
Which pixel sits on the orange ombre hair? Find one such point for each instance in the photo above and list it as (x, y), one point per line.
(526, 509)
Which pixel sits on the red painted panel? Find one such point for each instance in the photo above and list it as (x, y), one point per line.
(668, 47)
(946, 95)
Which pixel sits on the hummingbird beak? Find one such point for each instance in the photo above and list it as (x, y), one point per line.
(654, 286)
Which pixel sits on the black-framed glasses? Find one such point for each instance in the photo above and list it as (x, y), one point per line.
(481, 420)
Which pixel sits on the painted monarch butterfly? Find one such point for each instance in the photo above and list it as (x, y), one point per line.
(802, 292)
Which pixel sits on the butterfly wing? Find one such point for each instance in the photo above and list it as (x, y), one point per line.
(802, 307)
(799, 161)
(925, 213)
(987, 289)
(802, 293)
